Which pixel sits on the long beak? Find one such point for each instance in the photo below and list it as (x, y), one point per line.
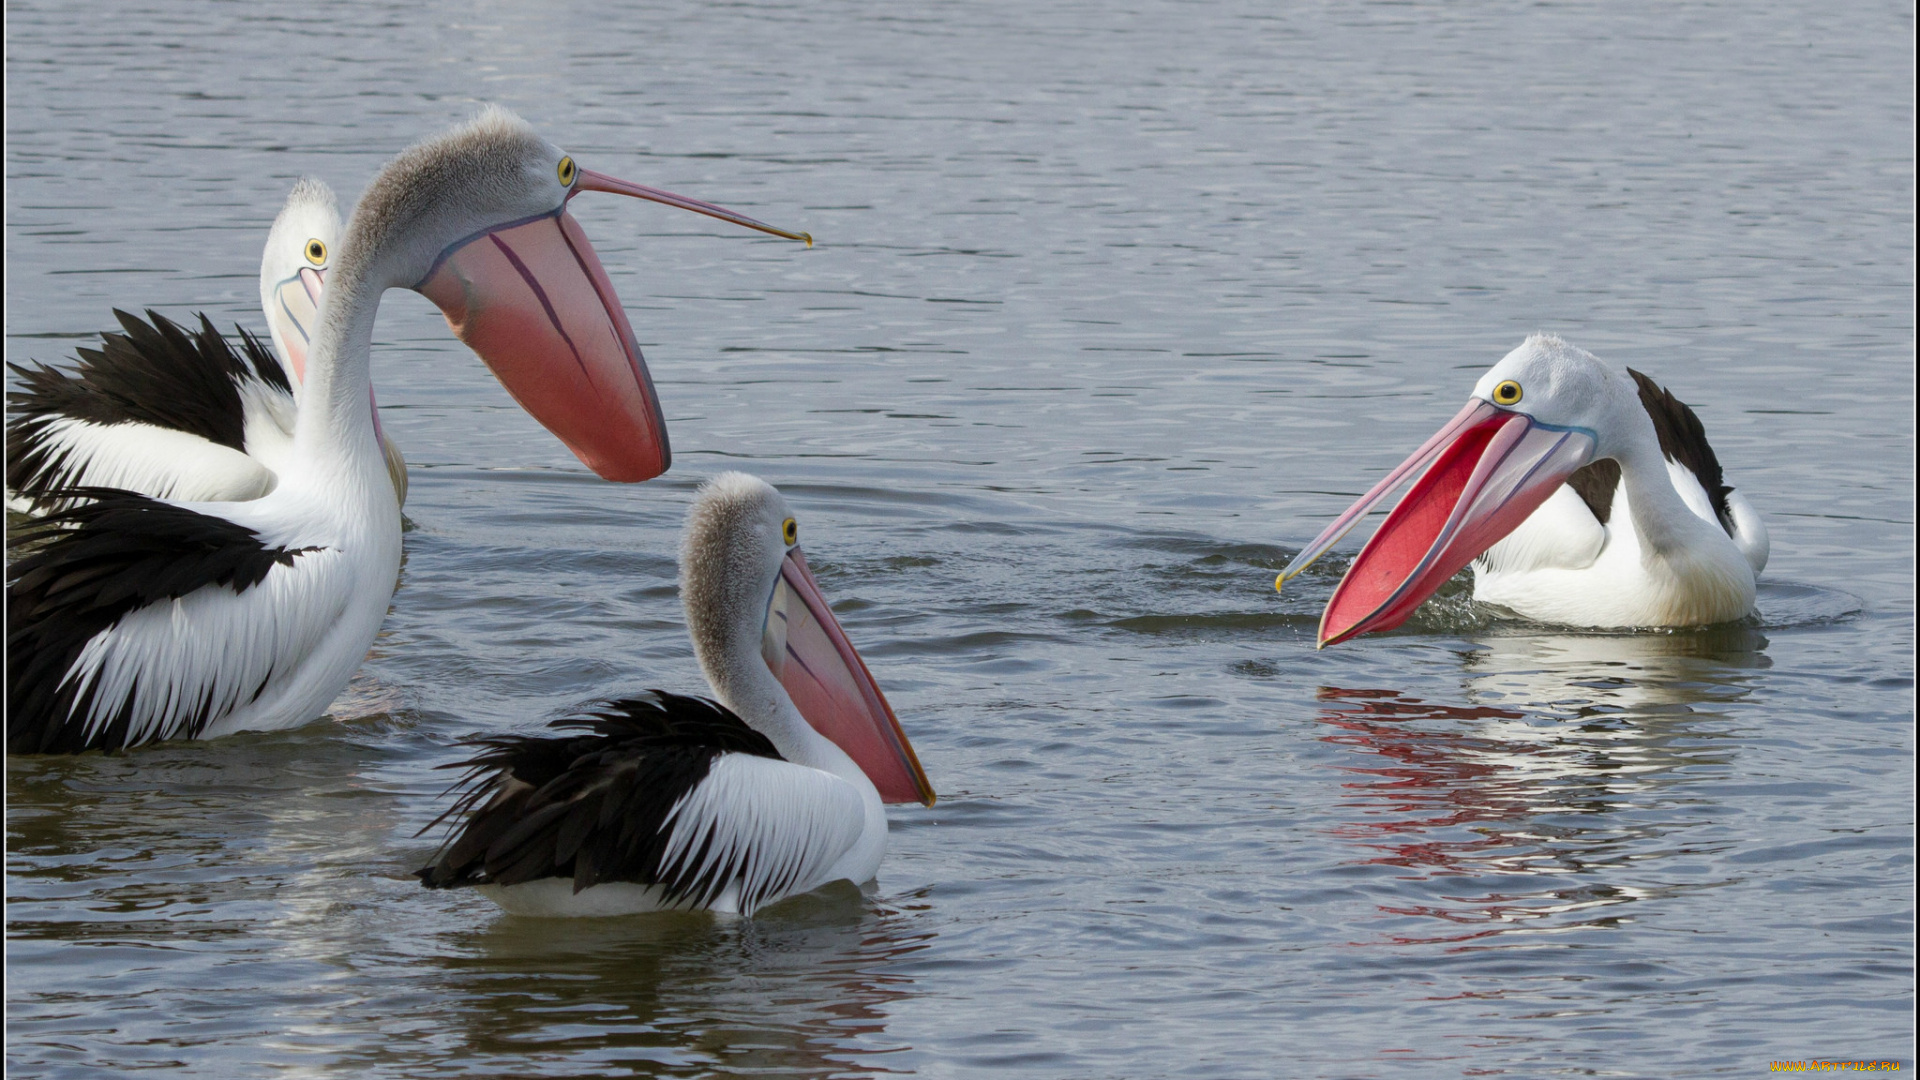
(808, 652)
(1484, 473)
(531, 298)
(296, 313)
(595, 181)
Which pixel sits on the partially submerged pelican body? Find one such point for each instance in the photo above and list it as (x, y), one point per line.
(662, 801)
(182, 414)
(136, 619)
(1581, 495)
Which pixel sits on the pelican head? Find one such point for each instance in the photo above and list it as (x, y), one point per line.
(1537, 416)
(768, 641)
(1558, 385)
(293, 273)
(476, 221)
(293, 269)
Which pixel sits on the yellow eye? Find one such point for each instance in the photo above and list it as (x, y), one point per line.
(567, 171)
(317, 251)
(791, 530)
(1507, 393)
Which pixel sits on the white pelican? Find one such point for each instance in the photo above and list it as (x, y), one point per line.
(176, 414)
(140, 619)
(679, 802)
(1582, 496)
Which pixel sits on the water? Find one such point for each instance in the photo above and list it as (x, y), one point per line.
(1114, 307)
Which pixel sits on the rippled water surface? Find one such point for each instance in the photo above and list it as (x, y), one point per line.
(1114, 306)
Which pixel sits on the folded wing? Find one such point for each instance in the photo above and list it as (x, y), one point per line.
(667, 791)
(123, 626)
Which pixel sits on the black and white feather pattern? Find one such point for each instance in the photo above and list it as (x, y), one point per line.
(663, 790)
(1683, 441)
(80, 676)
(155, 375)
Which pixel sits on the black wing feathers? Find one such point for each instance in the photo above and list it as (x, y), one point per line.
(87, 566)
(265, 366)
(156, 372)
(590, 807)
(1683, 439)
(1595, 483)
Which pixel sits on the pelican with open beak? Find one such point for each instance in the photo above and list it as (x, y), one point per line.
(1582, 495)
(672, 802)
(136, 619)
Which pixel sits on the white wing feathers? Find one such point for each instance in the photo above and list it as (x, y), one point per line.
(768, 828)
(1562, 534)
(154, 460)
(1749, 532)
(211, 654)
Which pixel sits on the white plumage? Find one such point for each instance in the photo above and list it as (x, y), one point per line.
(135, 618)
(162, 462)
(1580, 495)
(232, 412)
(786, 829)
(682, 803)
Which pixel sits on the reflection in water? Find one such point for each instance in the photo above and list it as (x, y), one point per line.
(794, 992)
(1581, 675)
(1555, 791)
(265, 869)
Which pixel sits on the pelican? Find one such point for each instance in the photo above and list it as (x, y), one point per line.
(174, 413)
(1582, 496)
(673, 802)
(139, 619)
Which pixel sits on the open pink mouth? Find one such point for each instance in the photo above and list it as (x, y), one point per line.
(531, 298)
(807, 651)
(1484, 473)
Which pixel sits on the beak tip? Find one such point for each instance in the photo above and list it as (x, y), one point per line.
(1279, 583)
(1336, 638)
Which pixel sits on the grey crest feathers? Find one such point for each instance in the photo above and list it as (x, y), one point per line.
(486, 160)
(728, 553)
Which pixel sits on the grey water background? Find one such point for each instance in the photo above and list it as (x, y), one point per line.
(1114, 306)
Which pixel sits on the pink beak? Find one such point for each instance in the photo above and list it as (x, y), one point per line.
(1484, 473)
(296, 310)
(807, 651)
(531, 298)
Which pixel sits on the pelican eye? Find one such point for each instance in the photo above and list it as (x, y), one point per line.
(567, 171)
(317, 251)
(1507, 393)
(790, 529)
